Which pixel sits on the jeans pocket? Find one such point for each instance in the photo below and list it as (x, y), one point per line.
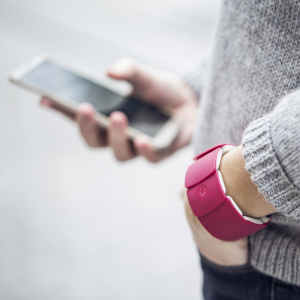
(206, 263)
(241, 282)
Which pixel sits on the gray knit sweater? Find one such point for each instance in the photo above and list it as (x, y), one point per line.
(250, 95)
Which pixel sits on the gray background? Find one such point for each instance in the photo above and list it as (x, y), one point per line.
(75, 223)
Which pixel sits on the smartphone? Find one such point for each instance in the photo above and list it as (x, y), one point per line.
(68, 86)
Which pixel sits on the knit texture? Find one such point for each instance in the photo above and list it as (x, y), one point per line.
(272, 153)
(250, 96)
(196, 78)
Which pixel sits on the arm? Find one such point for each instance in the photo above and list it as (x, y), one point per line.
(272, 154)
(262, 176)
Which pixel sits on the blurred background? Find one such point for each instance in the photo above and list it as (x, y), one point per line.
(75, 223)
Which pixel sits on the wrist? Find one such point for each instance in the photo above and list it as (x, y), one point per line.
(241, 188)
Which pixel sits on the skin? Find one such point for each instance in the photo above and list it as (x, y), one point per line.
(244, 192)
(241, 188)
(170, 92)
(160, 88)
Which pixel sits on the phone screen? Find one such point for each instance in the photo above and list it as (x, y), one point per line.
(54, 78)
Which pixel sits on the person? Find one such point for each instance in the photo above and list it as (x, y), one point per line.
(248, 95)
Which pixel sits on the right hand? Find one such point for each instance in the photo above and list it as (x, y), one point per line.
(163, 89)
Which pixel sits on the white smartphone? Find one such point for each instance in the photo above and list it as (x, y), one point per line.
(69, 86)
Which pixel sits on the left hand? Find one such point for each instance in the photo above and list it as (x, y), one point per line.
(218, 251)
(251, 202)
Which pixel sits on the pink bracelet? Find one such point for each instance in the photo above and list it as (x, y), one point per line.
(206, 193)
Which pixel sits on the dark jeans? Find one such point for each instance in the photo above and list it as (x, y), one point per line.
(243, 283)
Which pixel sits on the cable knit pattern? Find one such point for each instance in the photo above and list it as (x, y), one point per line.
(251, 95)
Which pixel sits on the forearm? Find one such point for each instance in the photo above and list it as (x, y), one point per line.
(241, 188)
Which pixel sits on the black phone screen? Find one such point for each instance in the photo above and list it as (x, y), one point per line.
(54, 78)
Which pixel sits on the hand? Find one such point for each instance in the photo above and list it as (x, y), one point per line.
(159, 88)
(219, 252)
(243, 191)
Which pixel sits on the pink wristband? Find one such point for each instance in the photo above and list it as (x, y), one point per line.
(206, 193)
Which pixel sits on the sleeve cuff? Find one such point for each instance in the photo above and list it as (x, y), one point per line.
(266, 170)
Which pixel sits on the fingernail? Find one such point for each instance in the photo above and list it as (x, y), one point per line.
(45, 102)
(116, 125)
(141, 145)
(84, 118)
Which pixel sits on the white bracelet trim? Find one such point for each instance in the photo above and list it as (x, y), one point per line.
(219, 157)
(235, 206)
(222, 182)
(227, 148)
(253, 220)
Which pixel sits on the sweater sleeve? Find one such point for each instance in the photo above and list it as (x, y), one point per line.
(272, 153)
(195, 77)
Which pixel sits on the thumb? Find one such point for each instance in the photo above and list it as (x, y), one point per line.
(135, 73)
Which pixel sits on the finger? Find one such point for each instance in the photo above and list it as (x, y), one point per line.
(90, 130)
(45, 102)
(117, 137)
(143, 148)
(160, 88)
(135, 73)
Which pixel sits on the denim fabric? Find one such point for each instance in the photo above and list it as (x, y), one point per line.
(243, 283)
